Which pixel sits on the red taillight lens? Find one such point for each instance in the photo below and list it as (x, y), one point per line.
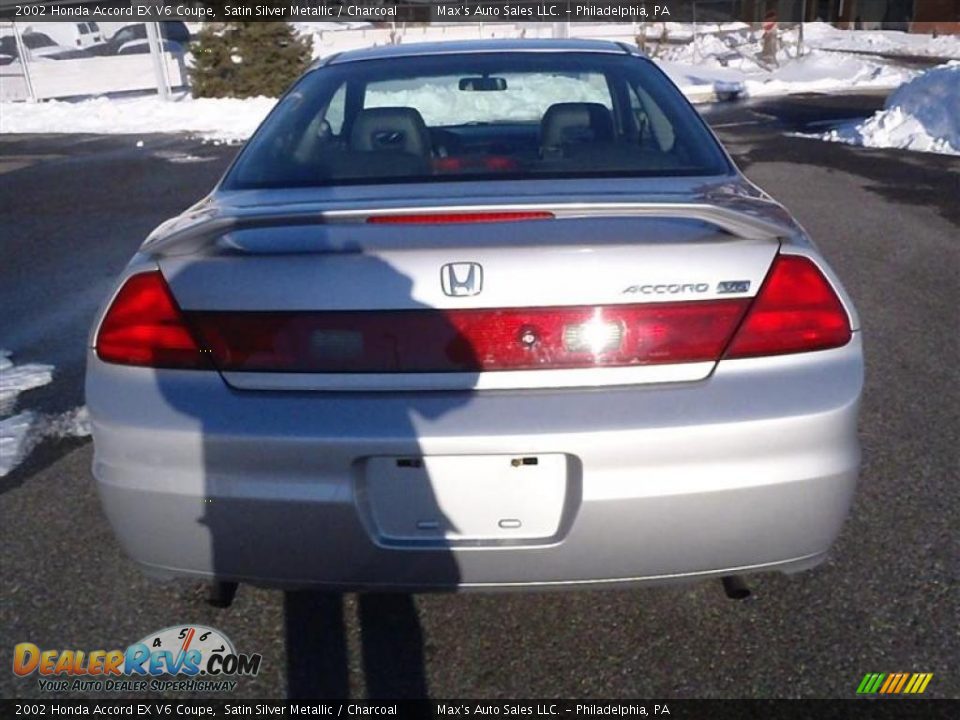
(459, 217)
(144, 326)
(469, 340)
(796, 310)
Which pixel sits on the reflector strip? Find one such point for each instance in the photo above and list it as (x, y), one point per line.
(476, 340)
(462, 217)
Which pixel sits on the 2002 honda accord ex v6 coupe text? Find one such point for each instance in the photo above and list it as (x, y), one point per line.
(481, 316)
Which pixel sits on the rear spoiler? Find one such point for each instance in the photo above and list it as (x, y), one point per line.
(741, 223)
(746, 222)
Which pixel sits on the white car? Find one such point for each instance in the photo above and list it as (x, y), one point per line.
(71, 34)
(39, 46)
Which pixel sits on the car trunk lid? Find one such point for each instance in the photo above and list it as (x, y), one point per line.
(576, 299)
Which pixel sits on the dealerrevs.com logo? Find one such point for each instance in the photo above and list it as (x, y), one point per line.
(204, 656)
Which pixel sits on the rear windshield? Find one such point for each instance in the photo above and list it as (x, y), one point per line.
(460, 117)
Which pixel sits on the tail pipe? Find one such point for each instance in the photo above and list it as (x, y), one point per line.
(735, 587)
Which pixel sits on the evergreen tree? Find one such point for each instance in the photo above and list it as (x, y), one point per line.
(246, 59)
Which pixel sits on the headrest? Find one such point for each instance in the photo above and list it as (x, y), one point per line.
(580, 122)
(399, 129)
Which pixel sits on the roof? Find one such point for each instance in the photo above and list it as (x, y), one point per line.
(454, 47)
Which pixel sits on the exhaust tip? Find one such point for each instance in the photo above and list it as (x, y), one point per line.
(735, 588)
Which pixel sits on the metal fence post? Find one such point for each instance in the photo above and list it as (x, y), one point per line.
(156, 53)
(803, 19)
(24, 63)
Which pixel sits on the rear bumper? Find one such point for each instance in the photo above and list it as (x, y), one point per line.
(752, 469)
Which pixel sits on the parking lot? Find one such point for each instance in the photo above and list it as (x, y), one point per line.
(74, 208)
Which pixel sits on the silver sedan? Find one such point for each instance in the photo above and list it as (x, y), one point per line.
(477, 316)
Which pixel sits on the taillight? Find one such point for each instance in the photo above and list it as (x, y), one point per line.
(796, 310)
(457, 217)
(473, 340)
(145, 327)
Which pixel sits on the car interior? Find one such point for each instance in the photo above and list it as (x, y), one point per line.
(396, 141)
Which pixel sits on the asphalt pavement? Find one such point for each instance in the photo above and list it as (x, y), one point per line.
(74, 208)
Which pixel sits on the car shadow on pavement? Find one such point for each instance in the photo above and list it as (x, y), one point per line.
(317, 654)
(310, 490)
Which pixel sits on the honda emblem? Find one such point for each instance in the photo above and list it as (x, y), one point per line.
(461, 279)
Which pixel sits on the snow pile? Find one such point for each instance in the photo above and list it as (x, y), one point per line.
(14, 380)
(883, 42)
(22, 432)
(224, 119)
(13, 440)
(676, 31)
(922, 115)
(818, 72)
(734, 62)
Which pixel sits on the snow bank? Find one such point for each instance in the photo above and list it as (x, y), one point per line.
(22, 432)
(14, 432)
(716, 64)
(886, 42)
(818, 72)
(15, 380)
(222, 119)
(922, 115)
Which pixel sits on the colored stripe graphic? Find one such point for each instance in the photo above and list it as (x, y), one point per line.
(918, 683)
(870, 683)
(903, 680)
(894, 683)
(892, 680)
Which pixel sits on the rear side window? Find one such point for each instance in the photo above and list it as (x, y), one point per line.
(481, 116)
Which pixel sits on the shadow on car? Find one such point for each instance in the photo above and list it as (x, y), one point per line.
(284, 532)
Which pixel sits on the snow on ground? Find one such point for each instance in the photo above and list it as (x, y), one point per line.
(922, 115)
(682, 31)
(715, 64)
(14, 432)
(14, 380)
(886, 42)
(20, 433)
(726, 61)
(221, 119)
(233, 120)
